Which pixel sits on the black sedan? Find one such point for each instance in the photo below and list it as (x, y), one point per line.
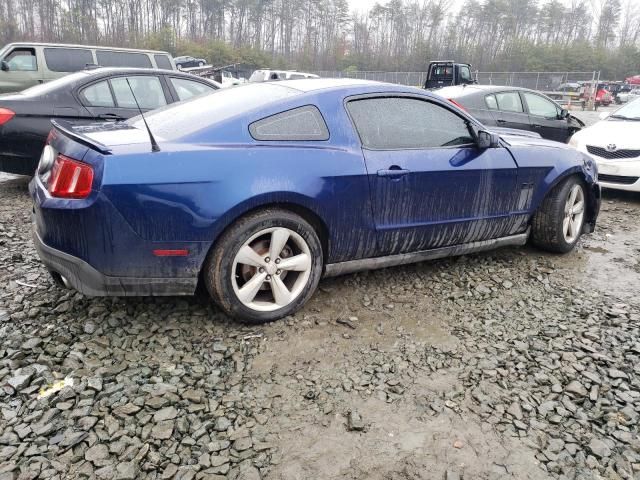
(512, 107)
(189, 62)
(84, 97)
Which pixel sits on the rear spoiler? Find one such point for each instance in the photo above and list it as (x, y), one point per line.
(67, 129)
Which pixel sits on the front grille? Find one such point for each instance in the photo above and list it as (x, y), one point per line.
(616, 154)
(617, 179)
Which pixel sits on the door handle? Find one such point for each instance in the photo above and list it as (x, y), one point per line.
(501, 121)
(109, 116)
(535, 125)
(393, 172)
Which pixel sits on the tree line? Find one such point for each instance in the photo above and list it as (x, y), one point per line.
(396, 35)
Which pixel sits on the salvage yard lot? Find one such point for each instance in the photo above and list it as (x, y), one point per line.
(508, 364)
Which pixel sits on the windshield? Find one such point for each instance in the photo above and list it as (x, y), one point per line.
(184, 118)
(631, 111)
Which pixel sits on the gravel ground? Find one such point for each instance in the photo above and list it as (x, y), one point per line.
(508, 364)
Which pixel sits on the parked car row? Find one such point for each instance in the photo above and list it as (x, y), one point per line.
(123, 186)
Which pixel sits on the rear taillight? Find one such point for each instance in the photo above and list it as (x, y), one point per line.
(456, 104)
(70, 178)
(5, 115)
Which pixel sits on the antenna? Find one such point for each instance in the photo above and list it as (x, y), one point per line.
(154, 145)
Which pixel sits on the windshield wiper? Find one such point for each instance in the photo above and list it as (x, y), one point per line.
(622, 117)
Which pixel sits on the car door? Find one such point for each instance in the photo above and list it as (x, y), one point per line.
(544, 116)
(20, 70)
(111, 99)
(510, 112)
(430, 185)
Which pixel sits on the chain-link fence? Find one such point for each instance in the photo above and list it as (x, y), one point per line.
(545, 81)
(403, 78)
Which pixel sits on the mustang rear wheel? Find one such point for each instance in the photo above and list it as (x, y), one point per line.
(557, 225)
(265, 267)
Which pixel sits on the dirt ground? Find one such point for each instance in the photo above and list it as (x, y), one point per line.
(507, 364)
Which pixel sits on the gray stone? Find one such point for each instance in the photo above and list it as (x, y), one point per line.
(576, 388)
(599, 448)
(126, 471)
(97, 453)
(167, 413)
(162, 430)
(354, 421)
(222, 424)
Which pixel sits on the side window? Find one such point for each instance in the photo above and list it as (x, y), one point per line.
(540, 106)
(465, 73)
(163, 62)
(98, 95)
(491, 102)
(303, 123)
(148, 91)
(395, 123)
(22, 60)
(108, 58)
(67, 59)
(509, 102)
(188, 88)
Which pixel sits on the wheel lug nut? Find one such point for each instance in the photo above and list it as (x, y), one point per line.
(268, 277)
(267, 259)
(278, 272)
(261, 270)
(277, 260)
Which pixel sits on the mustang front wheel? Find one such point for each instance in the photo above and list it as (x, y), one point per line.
(266, 266)
(557, 225)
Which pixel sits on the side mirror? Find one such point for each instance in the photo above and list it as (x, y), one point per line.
(564, 113)
(486, 140)
(4, 66)
(604, 115)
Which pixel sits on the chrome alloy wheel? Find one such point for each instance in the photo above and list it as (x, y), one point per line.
(573, 214)
(271, 269)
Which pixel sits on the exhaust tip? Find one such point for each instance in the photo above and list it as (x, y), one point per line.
(60, 280)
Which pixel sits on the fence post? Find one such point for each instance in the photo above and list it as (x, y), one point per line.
(537, 80)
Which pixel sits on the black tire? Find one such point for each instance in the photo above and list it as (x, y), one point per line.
(217, 269)
(547, 224)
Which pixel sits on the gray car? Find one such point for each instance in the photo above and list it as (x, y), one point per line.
(514, 108)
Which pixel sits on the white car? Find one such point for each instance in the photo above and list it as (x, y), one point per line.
(271, 75)
(614, 142)
(628, 96)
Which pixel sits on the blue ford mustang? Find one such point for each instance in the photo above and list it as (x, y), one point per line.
(259, 190)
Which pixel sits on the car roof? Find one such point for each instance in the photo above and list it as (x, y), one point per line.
(311, 84)
(76, 79)
(464, 90)
(71, 45)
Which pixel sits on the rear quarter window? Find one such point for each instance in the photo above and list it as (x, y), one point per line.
(303, 123)
(107, 58)
(163, 62)
(67, 59)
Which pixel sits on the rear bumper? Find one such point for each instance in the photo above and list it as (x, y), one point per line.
(78, 274)
(18, 164)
